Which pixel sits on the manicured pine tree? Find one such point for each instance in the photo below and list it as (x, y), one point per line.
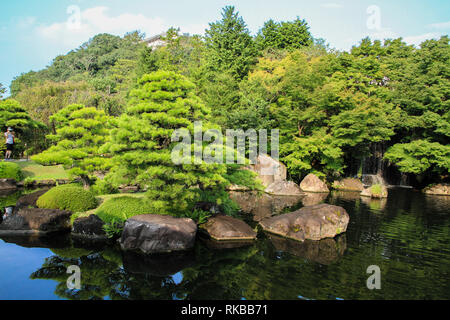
(141, 146)
(79, 132)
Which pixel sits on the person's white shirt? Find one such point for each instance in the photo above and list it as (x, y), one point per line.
(9, 137)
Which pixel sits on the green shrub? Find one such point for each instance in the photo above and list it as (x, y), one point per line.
(10, 170)
(114, 212)
(121, 208)
(67, 197)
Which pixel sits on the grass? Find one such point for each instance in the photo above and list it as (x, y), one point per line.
(34, 171)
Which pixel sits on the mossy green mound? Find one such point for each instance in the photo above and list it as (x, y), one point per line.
(67, 197)
(10, 170)
(122, 208)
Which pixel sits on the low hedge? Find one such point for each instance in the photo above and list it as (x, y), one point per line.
(10, 170)
(68, 197)
(118, 210)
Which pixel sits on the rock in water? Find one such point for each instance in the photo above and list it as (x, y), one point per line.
(314, 223)
(376, 191)
(152, 233)
(269, 170)
(312, 183)
(348, 184)
(442, 189)
(223, 228)
(33, 220)
(29, 200)
(287, 188)
(91, 226)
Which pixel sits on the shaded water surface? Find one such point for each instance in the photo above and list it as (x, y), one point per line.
(407, 236)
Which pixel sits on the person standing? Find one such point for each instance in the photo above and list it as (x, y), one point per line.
(9, 135)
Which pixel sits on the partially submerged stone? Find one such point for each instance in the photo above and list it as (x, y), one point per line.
(314, 223)
(311, 183)
(348, 184)
(441, 189)
(29, 200)
(269, 170)
(152, 233)
(91, 227)
(376, 191)
(29, 221)
(287, 188)
(225, 228)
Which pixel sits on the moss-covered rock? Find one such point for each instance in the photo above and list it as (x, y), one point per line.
(67, 197)
(122, 208)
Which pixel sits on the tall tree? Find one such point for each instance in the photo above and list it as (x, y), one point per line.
(230, 46)
(80, 132)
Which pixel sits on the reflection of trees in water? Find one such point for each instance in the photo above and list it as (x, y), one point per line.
(410, 246)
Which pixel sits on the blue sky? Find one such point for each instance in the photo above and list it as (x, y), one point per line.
(33, 32)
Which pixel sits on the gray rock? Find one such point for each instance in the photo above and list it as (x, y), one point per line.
(314, 223)
(223, 228)
(91, 226)
(36, 221)
(29, 200)
(152, 233)
(8, 184)
(269, 170)
(311, 183)
(287, 188)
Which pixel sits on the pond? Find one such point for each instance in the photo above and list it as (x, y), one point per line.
(407, 236)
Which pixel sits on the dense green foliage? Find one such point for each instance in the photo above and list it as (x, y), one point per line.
(27, 131)
(79, 133)
(382, 101)
(121, 208)
(10, 170)
(67, 197)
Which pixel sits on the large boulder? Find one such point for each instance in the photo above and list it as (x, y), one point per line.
(224, 228)
(8, 184)
(36, 221)
(441, 189)
(269, 170)
(91, 227)
(287, 188)
(314, 223)
(348, 184)
(152, 233)
(311, 183)
(376, 191)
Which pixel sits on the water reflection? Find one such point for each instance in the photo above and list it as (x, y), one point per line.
(408, 237)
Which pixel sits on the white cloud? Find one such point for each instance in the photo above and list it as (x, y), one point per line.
(417, 40)
(331, 5)
(440, 25)
(73, 32)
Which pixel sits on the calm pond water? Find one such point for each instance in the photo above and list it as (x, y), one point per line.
(407, 236)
